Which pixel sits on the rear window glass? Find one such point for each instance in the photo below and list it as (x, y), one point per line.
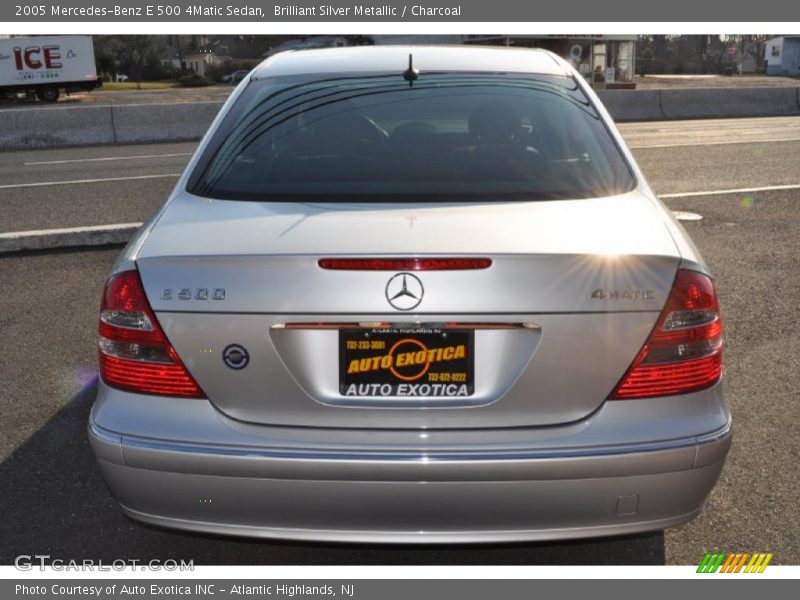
(449, 137)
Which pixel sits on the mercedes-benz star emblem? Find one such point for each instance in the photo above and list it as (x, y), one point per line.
(404, 291)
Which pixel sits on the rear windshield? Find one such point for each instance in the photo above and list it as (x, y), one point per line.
(449, 137)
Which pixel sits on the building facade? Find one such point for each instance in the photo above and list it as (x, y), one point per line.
(606, 61)
(783, 55)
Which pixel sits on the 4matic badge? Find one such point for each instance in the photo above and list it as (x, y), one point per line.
(603, 294)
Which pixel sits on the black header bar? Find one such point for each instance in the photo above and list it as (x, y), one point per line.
(350, 11)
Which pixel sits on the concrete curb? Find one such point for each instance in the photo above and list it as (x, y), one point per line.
(54, 127)
(701, 103)
(142, 123)
(48, 239)
(729, 103)
(32, 128)
(633, 105)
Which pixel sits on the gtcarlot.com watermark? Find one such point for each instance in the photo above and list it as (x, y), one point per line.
(29, 562)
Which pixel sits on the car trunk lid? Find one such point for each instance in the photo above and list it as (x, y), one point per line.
(573, 290)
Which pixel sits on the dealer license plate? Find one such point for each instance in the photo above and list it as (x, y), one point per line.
(414, 362)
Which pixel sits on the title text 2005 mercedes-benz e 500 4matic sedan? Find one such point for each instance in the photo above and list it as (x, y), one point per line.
(411, 294)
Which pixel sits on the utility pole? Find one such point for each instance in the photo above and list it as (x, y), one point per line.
(137, 59)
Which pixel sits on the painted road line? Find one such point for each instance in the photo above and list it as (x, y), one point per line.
(77, 181)
(753, 190)
(45, 239)
(721, 143)
(105, 158)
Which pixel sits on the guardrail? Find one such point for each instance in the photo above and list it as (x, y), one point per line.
(185, 121)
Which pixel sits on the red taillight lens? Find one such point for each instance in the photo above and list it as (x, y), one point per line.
(405, 264)
(684, 351)
(134, 353)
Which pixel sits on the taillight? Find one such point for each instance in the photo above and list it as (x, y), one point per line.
(134, 353)
(684, 351)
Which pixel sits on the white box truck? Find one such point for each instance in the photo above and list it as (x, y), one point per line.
(46, 65)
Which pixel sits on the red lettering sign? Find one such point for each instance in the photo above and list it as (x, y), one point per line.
(51, 56)
(29, 58)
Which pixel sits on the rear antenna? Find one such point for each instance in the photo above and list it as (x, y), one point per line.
(411, 74)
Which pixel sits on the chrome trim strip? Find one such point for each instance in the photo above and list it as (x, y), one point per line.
(104, 435)
(717, 435)
(204, 309)
(334, 325)
(384, 456)
(318, 454)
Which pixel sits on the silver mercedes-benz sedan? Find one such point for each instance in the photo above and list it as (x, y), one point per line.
(411, 294)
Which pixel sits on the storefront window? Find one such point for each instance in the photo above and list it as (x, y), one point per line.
(623, 65)
(580, 56)
(599, 60)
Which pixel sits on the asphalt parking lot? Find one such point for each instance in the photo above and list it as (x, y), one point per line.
(741, 176)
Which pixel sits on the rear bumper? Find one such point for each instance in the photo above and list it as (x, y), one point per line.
(421, 513)
(452, 496)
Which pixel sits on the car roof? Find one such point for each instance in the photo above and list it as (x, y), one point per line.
(426, 58)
